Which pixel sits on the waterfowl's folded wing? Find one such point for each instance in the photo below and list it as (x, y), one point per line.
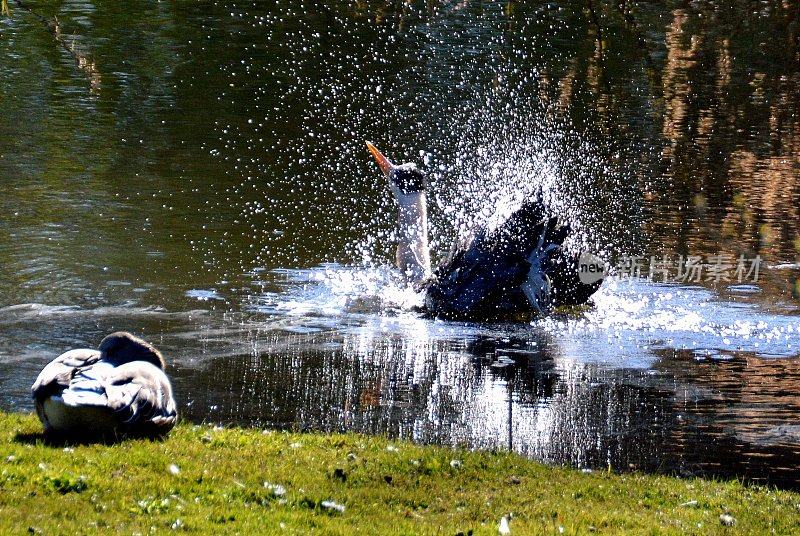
(58, 374)
(140, 395)
(88, 386)
(459, 246)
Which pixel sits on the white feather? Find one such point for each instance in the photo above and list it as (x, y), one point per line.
(88, 387)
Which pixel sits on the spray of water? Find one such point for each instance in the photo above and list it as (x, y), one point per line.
(444, 89)
(468, 101)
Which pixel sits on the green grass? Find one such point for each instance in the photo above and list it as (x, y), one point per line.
(213, 480)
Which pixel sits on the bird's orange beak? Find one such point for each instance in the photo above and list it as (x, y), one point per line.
(384, 163)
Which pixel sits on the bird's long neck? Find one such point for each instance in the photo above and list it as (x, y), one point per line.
(413, 256)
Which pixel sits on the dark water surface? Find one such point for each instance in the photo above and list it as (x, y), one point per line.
(195, 173)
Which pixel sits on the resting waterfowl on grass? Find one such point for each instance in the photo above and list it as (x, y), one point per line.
(517, 269)
(120, 389)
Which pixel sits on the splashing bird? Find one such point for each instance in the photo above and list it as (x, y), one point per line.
(120, 389)
(516, 269)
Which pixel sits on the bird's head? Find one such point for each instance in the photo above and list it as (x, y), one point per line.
(123, 347)
(408, 185)
(404, 179)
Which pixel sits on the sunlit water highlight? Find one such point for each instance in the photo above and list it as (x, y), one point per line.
(633, 317)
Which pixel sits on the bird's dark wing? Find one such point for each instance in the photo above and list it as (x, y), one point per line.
(492, 276)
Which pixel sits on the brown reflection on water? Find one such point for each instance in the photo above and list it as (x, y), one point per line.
(681, 53)
(748, 406)
(730, 140)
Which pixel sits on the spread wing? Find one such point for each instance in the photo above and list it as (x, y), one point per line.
(57, 375)
(500, 272)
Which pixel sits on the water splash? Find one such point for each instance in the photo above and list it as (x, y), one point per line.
(629, 325)
(335, 290)
(635, 318)
(489, 132)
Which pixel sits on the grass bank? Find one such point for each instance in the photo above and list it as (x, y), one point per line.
(248, 481)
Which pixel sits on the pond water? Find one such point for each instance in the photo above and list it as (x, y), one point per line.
(196, 173)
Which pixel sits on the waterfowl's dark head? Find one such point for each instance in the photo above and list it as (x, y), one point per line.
(403, 178)
(123, 347)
